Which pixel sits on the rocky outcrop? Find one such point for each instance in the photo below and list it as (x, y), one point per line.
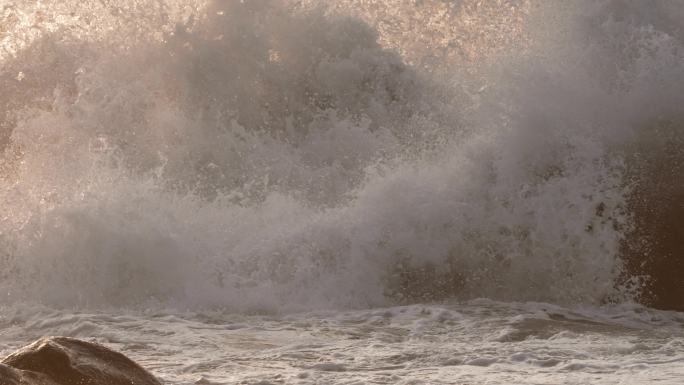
(68, 361)
(653, 247)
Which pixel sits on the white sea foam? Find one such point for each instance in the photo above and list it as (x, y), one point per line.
(246, 192)
(430, 344)
(262, 156)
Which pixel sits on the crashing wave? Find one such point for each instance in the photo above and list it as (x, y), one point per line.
(296, 155)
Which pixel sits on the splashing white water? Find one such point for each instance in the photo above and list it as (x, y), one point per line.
(262, 155)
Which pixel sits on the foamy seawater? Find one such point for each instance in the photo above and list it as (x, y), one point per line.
(327, 190)
(476, 342)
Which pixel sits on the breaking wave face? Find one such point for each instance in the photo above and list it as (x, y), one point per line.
(273, 155)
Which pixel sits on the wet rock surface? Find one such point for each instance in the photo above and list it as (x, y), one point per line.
(653, 250)
(68, 361)
(12, 376)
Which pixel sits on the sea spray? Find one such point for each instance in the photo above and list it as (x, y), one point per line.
(267, 156)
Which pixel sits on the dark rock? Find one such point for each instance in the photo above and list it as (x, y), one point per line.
(653, 248)
(12, 376)
(68, 361)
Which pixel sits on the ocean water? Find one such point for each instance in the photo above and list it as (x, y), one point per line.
(351, 191)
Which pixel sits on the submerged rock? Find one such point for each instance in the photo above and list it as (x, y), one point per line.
(68, 361)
